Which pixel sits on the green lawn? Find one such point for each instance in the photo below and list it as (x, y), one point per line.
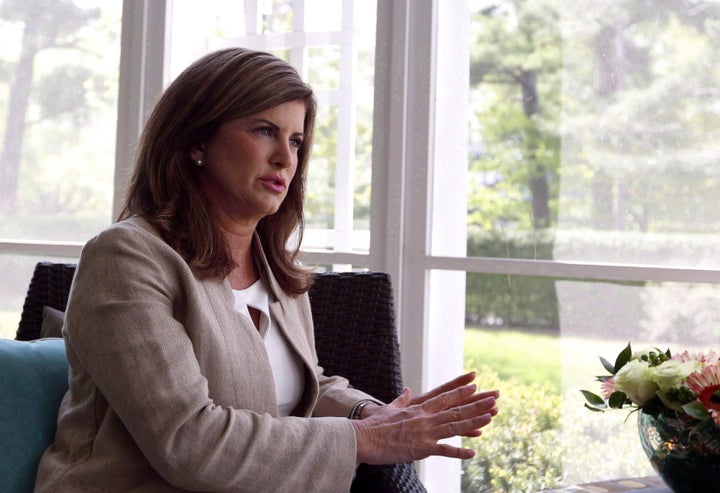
(562, 362)
(514, 354)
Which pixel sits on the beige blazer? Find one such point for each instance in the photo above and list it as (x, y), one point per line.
(171, 389)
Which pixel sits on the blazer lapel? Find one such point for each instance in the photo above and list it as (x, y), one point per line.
(290, 321)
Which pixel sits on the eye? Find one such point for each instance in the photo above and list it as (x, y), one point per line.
(296, 142)
(267, 131)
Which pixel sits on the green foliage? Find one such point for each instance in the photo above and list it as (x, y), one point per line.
(519, 451)
(622, 359)
(657, 311)
(63, 91)
(696, 410)
(515, 86)
(637, 129)
(511, 300)
(543, 437)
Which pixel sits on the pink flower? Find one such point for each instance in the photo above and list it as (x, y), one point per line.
(708, 358)
(608, 387)
(706, 384)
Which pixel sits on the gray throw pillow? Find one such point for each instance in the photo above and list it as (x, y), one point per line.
(52, 322)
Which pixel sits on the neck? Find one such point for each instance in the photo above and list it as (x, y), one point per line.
(245, 274)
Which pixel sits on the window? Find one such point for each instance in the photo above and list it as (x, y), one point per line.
(589, 218)
(58, 114)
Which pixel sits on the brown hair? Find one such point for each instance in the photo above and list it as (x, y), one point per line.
(164, 188)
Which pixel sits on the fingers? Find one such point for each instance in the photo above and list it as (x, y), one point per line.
(403, 400)
(480, 396)
(452, 398)
(448, 386)
(465, 420)
(446, 450)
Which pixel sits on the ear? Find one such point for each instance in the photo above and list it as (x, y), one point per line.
(197, 151)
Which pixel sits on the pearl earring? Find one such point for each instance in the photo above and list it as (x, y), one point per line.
(199, 162)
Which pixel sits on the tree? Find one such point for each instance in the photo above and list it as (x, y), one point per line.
(644, 133)
(47, 24)
(516, 58)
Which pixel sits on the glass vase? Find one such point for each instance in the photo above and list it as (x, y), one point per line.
(686, 457)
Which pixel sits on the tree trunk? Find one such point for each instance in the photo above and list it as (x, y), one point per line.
(15, 129)
(539, 188)
(609, 67)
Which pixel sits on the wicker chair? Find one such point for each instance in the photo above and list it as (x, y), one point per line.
(355, 337)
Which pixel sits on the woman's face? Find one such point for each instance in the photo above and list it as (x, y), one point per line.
(250, 162)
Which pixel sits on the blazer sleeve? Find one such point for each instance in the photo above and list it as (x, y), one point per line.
(122, 325)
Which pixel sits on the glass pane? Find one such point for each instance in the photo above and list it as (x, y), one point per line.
(335, 53)
(323, 15)
(277, 16)
(594, 131)
(539, 340)
(319, 203)
(58, 104)
(323, 67)
(17, 271)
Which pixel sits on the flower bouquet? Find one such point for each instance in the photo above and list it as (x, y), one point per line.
(677, 398)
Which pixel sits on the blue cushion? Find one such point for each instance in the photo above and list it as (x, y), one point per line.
(33, 380)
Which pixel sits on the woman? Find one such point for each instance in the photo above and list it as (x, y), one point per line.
(188, 329)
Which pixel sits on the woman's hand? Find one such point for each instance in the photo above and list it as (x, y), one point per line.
(409, 428)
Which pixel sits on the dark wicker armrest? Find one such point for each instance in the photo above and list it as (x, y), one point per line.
(49, 286)
(355, 337)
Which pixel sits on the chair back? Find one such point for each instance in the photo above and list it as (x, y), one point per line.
(49, 286)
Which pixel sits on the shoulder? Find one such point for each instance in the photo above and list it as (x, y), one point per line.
(129, 249)
(130, 235)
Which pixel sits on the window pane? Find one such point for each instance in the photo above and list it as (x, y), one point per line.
(594, 132)
(332, 44)
(539, 340)
(58, 102)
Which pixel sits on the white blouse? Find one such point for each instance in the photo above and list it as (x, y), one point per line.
(286, 365)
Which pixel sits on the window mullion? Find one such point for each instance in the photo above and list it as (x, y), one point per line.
(142, 62)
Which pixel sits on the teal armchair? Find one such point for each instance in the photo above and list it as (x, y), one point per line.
(33, 380)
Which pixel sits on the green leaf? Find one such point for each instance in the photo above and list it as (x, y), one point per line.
(702, 426)
(617, 399)
(608, 366)
(594, 409)
(696, 410)
(623, 358)
(594, 399)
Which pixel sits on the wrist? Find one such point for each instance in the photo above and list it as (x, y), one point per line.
(357, 410)
(369, 410)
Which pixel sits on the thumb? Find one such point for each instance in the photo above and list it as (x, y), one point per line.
(404, 399)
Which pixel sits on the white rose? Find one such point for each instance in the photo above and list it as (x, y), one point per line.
(635, 379)
(672, 373)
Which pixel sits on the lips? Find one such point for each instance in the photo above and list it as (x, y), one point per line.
(274, 183)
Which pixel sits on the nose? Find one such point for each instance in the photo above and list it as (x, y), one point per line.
(285, 155)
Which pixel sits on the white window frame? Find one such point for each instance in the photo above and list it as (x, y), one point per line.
(405, 128)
